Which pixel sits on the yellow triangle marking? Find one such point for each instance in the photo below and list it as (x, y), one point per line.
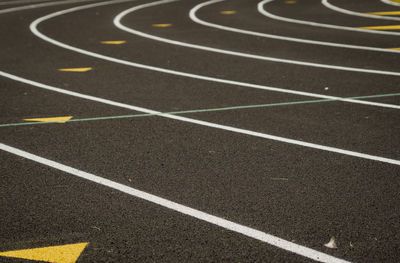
(113, 42)
(393, 27)
(390, 13)
(52, 119)
(55, 254)
(162, 25)
(75, 69)
(228, 12)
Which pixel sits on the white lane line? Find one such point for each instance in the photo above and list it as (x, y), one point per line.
(26, 7)
(196, 19)
(232, 226)
(22, 2)
(117, 22)
(310, 23)
(203, 123)
(353, 13)
(36, 32)
(388, 2)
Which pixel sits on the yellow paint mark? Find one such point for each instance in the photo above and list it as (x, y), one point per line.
(55, 254)
(228, 12)
(119, 42)
(290, 2)
(52, 119)
(75, 69)
(396, 1)
(394, 27)
(395, 48)
(390, 13)
(162, 25)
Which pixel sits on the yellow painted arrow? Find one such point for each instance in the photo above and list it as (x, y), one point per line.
(118, 42)
(54, 254)
(75, 69)
(52, 119)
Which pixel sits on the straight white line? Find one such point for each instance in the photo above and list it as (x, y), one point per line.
(26, 7)
(117, 22)
(196, 19)
(349, 12)
(388, 2)
(232, 226)
(36, 32)
(203, 123)
(22, 2)
(309, 23)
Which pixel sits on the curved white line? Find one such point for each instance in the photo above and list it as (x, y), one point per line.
(353, 13)
(196, 19)
(33, 27)
(310, 23)
(117, 22)
(388, 2)
(26, 7)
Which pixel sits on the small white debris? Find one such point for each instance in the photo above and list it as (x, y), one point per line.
(331, 243)
(326, 88)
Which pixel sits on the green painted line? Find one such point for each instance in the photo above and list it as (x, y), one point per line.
(200, 110)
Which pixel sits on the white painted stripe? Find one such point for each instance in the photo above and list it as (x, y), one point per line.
(349, 12)
(117, 22)
(232, 226)
(203, 123)
(17, 2)
(309, 23)
(35, 31)
(388, 2)
(26, 7)
(196, 19)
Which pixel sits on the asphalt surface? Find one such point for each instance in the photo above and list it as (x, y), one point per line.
(345, 185)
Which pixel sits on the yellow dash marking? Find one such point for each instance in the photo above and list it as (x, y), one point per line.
(390, 13)
(55, 254)
(394, 27)
(395, 48)
(228, 12)
(113, 42)
(162, 25)
(290, 2)
(52, 119)
(75, 69)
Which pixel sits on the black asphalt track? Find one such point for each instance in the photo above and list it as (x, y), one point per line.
(302, 195)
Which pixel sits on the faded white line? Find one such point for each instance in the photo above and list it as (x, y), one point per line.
(26, 7)
(232, 226)
(16, 2)
(35, 31)
(117, 22)
(353, 13)
(388, 2)
(196, 19)
(315, 24)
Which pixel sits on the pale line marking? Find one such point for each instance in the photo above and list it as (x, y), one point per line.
(232, 226)
(26, 7)
(203, 123)
(22, 2)
(353, 13)
(117, 22)
(35, 31)
(315, 24)
(388, 2)
(196, 19)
